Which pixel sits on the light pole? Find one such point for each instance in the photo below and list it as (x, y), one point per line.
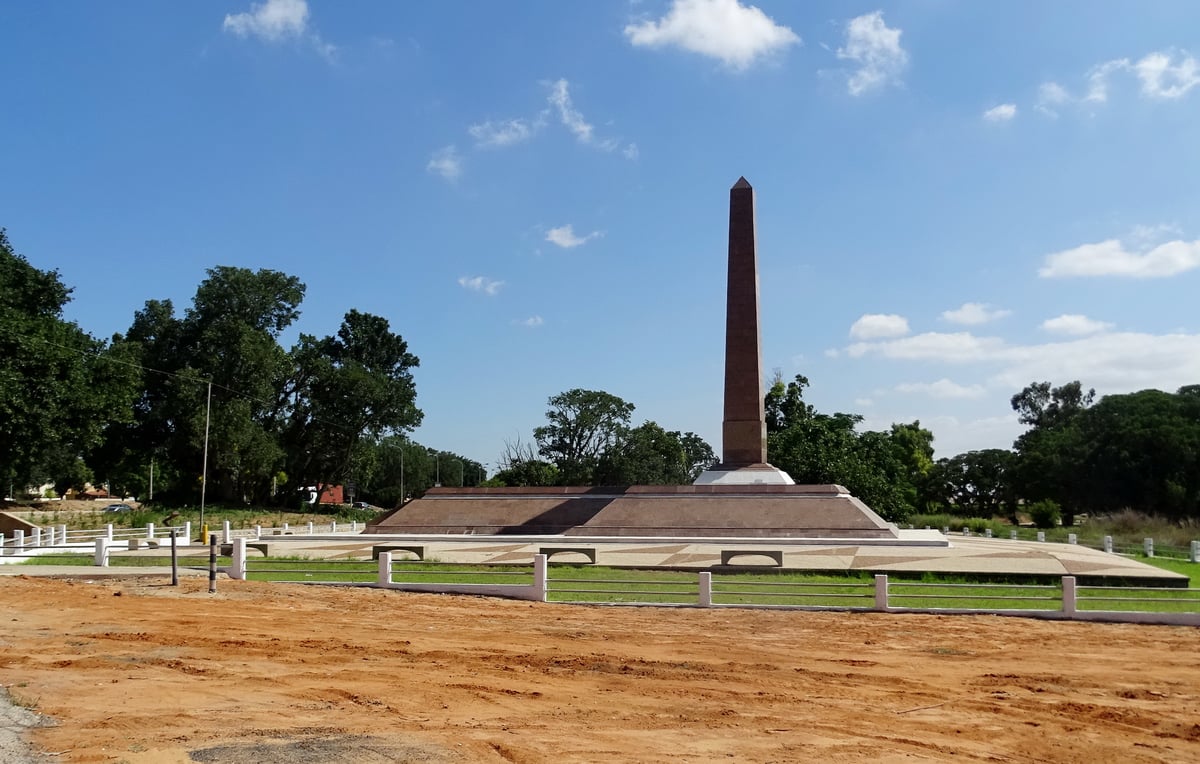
(204, 473)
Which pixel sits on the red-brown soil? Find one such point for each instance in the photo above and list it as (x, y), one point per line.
(136, 671)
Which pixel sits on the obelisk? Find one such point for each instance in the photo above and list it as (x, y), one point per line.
(744, 427)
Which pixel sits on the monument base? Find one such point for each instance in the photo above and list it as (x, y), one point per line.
(698, 511)
(754, 474)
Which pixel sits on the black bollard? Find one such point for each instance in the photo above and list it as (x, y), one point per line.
(212, 563)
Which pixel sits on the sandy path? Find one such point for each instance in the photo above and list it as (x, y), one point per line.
(141, 672)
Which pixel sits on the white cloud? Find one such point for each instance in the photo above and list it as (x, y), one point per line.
(564, 236)
(532, 322)
(1112, 362)
(1073, 323)
(1002, 113)
(1098, 79)
(504, 133)
(1050, 95)
(482, 284)
(974, 313)
(864, 402)
(271, 20)
(876, 49)
(1110, 258)
(1159, 77)
(276, 20)
(957, 347)
(873, 325)
(943, 388)
(1162, 79)
(630, 151)
(726, 30)
(572, 119)
(446, 162)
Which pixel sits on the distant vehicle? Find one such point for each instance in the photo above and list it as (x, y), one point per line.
(118, 508)
(362, 505)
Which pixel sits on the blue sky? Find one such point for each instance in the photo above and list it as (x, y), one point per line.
(955, 199)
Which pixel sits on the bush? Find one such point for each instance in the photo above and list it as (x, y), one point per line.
(1045, 513)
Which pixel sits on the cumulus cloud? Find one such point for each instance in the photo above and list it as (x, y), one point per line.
(564, 236)
(974, 313)
(276, 20)
(726, 30)
(1073, 323)
(873, 325)
(1002, 113)
(445, 162)
(481, 284)
(532, 322)
(503, 133)
(943, 388)
(875, 47)
(1111, 258)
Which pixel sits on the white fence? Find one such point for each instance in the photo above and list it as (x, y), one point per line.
(1033, 601)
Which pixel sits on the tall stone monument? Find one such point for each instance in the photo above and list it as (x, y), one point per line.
(744, 428)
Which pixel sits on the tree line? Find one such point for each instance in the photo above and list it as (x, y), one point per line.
(329, 410)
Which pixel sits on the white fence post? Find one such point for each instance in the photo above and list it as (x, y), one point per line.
(150, 531)
(18, 541)
(881, 591)
(2, 550)
(187, 533)
(1068, 595)
(1148, 547)
(108, 532)
(1072, 538)
(257, 532)
(945, 530)
(987, 532)
(385, 568)
(50, 536)
(101, 557)
(62, 534)
(37, 536)
(1195, 555)
(237, 568)
(1041, 536)
(285, 529)
(705, 588)
(539, 576)
(966, 531)
(1108, 544)
(354, 526)
(310, 528)
(226, 532)
(1012, 535)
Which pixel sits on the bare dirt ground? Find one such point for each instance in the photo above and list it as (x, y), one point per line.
(136, 671)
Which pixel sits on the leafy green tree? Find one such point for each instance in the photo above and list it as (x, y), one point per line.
(59, 387)
(343, 389)
(581, 426)
(645, 455)
(1051, 454)
(977, 483)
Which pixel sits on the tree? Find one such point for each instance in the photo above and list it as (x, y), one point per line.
(646, 455)
(355, 385)
(59, 387)
(784, 405)
(977, 483)
(1051, 454)
(582, 425)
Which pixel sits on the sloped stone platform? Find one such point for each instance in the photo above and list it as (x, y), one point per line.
(684, 511)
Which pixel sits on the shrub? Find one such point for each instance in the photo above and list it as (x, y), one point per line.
(1045, 513)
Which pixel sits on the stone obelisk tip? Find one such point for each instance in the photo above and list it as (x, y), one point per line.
(741, 183)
